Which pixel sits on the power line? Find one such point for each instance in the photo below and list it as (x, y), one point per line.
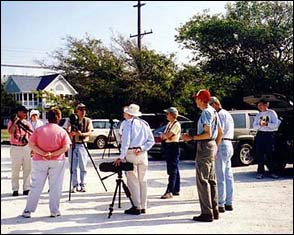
(25, 66)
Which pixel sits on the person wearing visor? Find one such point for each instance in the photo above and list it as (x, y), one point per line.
(171, 150)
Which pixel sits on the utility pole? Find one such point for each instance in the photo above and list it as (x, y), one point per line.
(139, 36)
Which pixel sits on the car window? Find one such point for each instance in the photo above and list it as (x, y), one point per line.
(251, 118)
(239, 120)
(99, 124)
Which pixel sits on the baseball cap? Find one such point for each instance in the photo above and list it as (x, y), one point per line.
(202, 94)
(81, 106)
(213, 100)
(22, 109)
(172, 110)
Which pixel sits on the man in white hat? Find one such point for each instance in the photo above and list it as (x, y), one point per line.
(137, 139)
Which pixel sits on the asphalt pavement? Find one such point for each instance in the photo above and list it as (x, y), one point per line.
(260, 206)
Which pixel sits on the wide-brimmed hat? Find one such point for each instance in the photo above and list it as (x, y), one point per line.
(133, 110)
(172, 110)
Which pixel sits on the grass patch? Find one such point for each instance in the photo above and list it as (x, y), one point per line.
(4, 134)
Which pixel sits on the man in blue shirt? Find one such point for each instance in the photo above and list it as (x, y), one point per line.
(137, 139)
(209, 134)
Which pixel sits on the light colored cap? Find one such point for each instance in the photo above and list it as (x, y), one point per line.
(172, 110)
(213, 99)
(81, 106)
(133, 110)
(34, 112)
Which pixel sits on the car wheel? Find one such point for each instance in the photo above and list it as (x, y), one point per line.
(244, 155)
(100, 142)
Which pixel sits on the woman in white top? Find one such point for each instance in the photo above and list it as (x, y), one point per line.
(171, 137)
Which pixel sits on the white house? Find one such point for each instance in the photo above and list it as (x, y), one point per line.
(23, 87)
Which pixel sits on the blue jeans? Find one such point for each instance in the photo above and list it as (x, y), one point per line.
(172, 155)
(80, 158)
(224, 174)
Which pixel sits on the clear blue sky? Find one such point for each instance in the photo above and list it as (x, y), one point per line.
(31, 29)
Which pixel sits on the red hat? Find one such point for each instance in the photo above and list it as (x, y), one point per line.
(202, 94)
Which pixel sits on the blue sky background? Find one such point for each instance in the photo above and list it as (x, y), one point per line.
(31, 29)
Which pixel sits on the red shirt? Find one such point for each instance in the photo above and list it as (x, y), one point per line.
(50, 138)
(19, 133)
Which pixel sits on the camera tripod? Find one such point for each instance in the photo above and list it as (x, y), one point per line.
(119, 182)
(110, 134)
(71, 165)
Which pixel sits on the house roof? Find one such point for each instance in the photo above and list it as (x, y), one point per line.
(22, 83)
(46, 80)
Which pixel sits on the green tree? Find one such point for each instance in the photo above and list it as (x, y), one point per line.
(66, 106)
(249, 49)
(108, 79)
(7, 105)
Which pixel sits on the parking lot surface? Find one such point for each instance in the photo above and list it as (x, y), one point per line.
(260, 206)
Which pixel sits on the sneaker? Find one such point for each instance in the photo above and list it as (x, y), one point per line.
(176, 193)
(215, 214)
(26, 192)
(73, 190)
(83, 188)
(55, 214)
(274, 176)
(221, 209)
(26, 214)
(203, 218)
(15, 193)
(259, 176)
(229, 207)
(166, 196)
(133, 211)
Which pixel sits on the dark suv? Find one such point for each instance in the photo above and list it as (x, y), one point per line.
(187, 149)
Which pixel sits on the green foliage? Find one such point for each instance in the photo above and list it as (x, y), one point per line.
(251, 48)
(66, 106)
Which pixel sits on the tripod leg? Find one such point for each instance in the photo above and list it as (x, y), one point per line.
(127, 192)
(119, 193)
(71, 170)
(113, 199)
(94, 165)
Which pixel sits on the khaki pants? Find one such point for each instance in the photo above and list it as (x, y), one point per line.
(20, 157)
(137, 179)
(206, 177)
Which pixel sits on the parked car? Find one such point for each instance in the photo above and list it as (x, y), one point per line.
(243, 141)
(156, 120)
(187, 149)
(102, 135)
(244, 134)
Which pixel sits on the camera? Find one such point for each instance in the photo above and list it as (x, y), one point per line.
(74, 121)
(109, 167)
